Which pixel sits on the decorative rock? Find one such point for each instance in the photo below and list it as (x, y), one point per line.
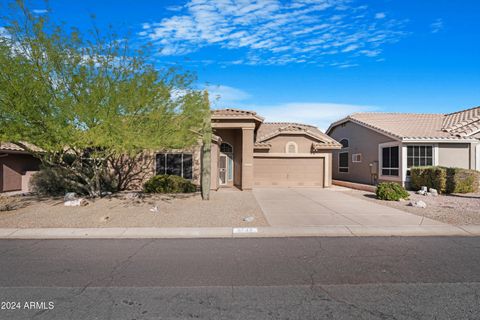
(70, 196)
(134, 195)
(418, 204)
(248, 219)
(76, 203)
(422, 192)
(424, 188)
(433, 192)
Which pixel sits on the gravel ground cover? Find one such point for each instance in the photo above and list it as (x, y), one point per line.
(227, 208)
(456, 209)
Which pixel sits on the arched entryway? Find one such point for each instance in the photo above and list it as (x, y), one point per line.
(226, 165)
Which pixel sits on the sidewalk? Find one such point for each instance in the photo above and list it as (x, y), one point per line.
(260, 232)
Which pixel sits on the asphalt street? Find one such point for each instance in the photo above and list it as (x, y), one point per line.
(271, 278)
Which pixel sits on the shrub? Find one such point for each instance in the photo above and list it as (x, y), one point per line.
(53, 182)
(432, 177)
(169, 184)
(462, 180)
(391, 191)
(8, 203)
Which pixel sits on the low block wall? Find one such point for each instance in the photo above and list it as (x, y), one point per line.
(353, 185)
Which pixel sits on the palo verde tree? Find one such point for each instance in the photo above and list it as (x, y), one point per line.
(88, 103)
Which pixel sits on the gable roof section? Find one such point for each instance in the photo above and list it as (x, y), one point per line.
(415, 126)
(463, 123)
(235, 114)
(8, 146)
(269, 130)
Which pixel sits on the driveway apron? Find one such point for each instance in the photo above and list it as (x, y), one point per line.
(308, 207)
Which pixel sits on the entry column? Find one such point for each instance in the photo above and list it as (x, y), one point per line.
(247, 158)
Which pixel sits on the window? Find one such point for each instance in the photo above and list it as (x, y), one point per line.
(226, 148)
(291, 147)
(419, 156)
(390, 161)
(343, 162)
(344, 143)
(357, 157)
(177, 164)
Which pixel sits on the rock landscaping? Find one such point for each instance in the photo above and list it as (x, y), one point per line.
(456, 209)
(133, 209)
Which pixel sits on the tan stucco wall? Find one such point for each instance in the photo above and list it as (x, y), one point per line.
(279, 143)
(247, 158)
(361, 140)
(454, 155)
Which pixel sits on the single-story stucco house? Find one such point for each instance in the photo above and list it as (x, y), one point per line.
(380, 147)
(16, 168)
(246, 152)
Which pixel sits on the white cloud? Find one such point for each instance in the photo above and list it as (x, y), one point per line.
(39, 11)
(274, 31)
(320, 114)
(436, 26)
(224, 96)
(4, 33)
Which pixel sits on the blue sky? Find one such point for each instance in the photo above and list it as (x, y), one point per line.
(310, 61)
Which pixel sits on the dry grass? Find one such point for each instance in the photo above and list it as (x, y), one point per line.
(225, 209)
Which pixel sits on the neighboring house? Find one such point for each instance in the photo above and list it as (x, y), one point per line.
(384, 146)
(248, 152)
(16, 168)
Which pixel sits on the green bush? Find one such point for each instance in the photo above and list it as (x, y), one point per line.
(168, 184)
(53, 182)
(462, 180)
(391, 191)
(432, 177)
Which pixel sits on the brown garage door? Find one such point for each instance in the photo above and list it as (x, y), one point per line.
(289, 171)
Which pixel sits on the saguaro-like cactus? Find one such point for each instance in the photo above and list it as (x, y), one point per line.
(206, 153)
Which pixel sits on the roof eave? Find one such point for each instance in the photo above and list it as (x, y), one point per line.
(437, 140)
(246, 117)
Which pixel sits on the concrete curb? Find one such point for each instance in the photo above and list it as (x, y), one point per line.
(260, 232)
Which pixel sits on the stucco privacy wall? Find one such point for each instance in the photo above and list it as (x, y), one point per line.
(455, 155)
(361, 140)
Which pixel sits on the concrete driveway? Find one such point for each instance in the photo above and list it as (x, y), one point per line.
(309, 207)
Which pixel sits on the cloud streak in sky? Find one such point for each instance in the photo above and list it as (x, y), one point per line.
(276, 32)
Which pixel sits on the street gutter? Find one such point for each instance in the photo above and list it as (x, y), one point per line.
(252, 232)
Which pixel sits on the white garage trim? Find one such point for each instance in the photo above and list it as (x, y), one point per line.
(289, 155)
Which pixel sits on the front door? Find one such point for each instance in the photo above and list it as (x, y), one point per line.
(223, 170)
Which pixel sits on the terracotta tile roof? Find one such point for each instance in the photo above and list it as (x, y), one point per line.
(417, 125)
(262, 145)
(463, 123)
(8, 146)
(235, 113)
(268, 130)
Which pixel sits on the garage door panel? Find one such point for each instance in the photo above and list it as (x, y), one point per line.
(289, 171)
